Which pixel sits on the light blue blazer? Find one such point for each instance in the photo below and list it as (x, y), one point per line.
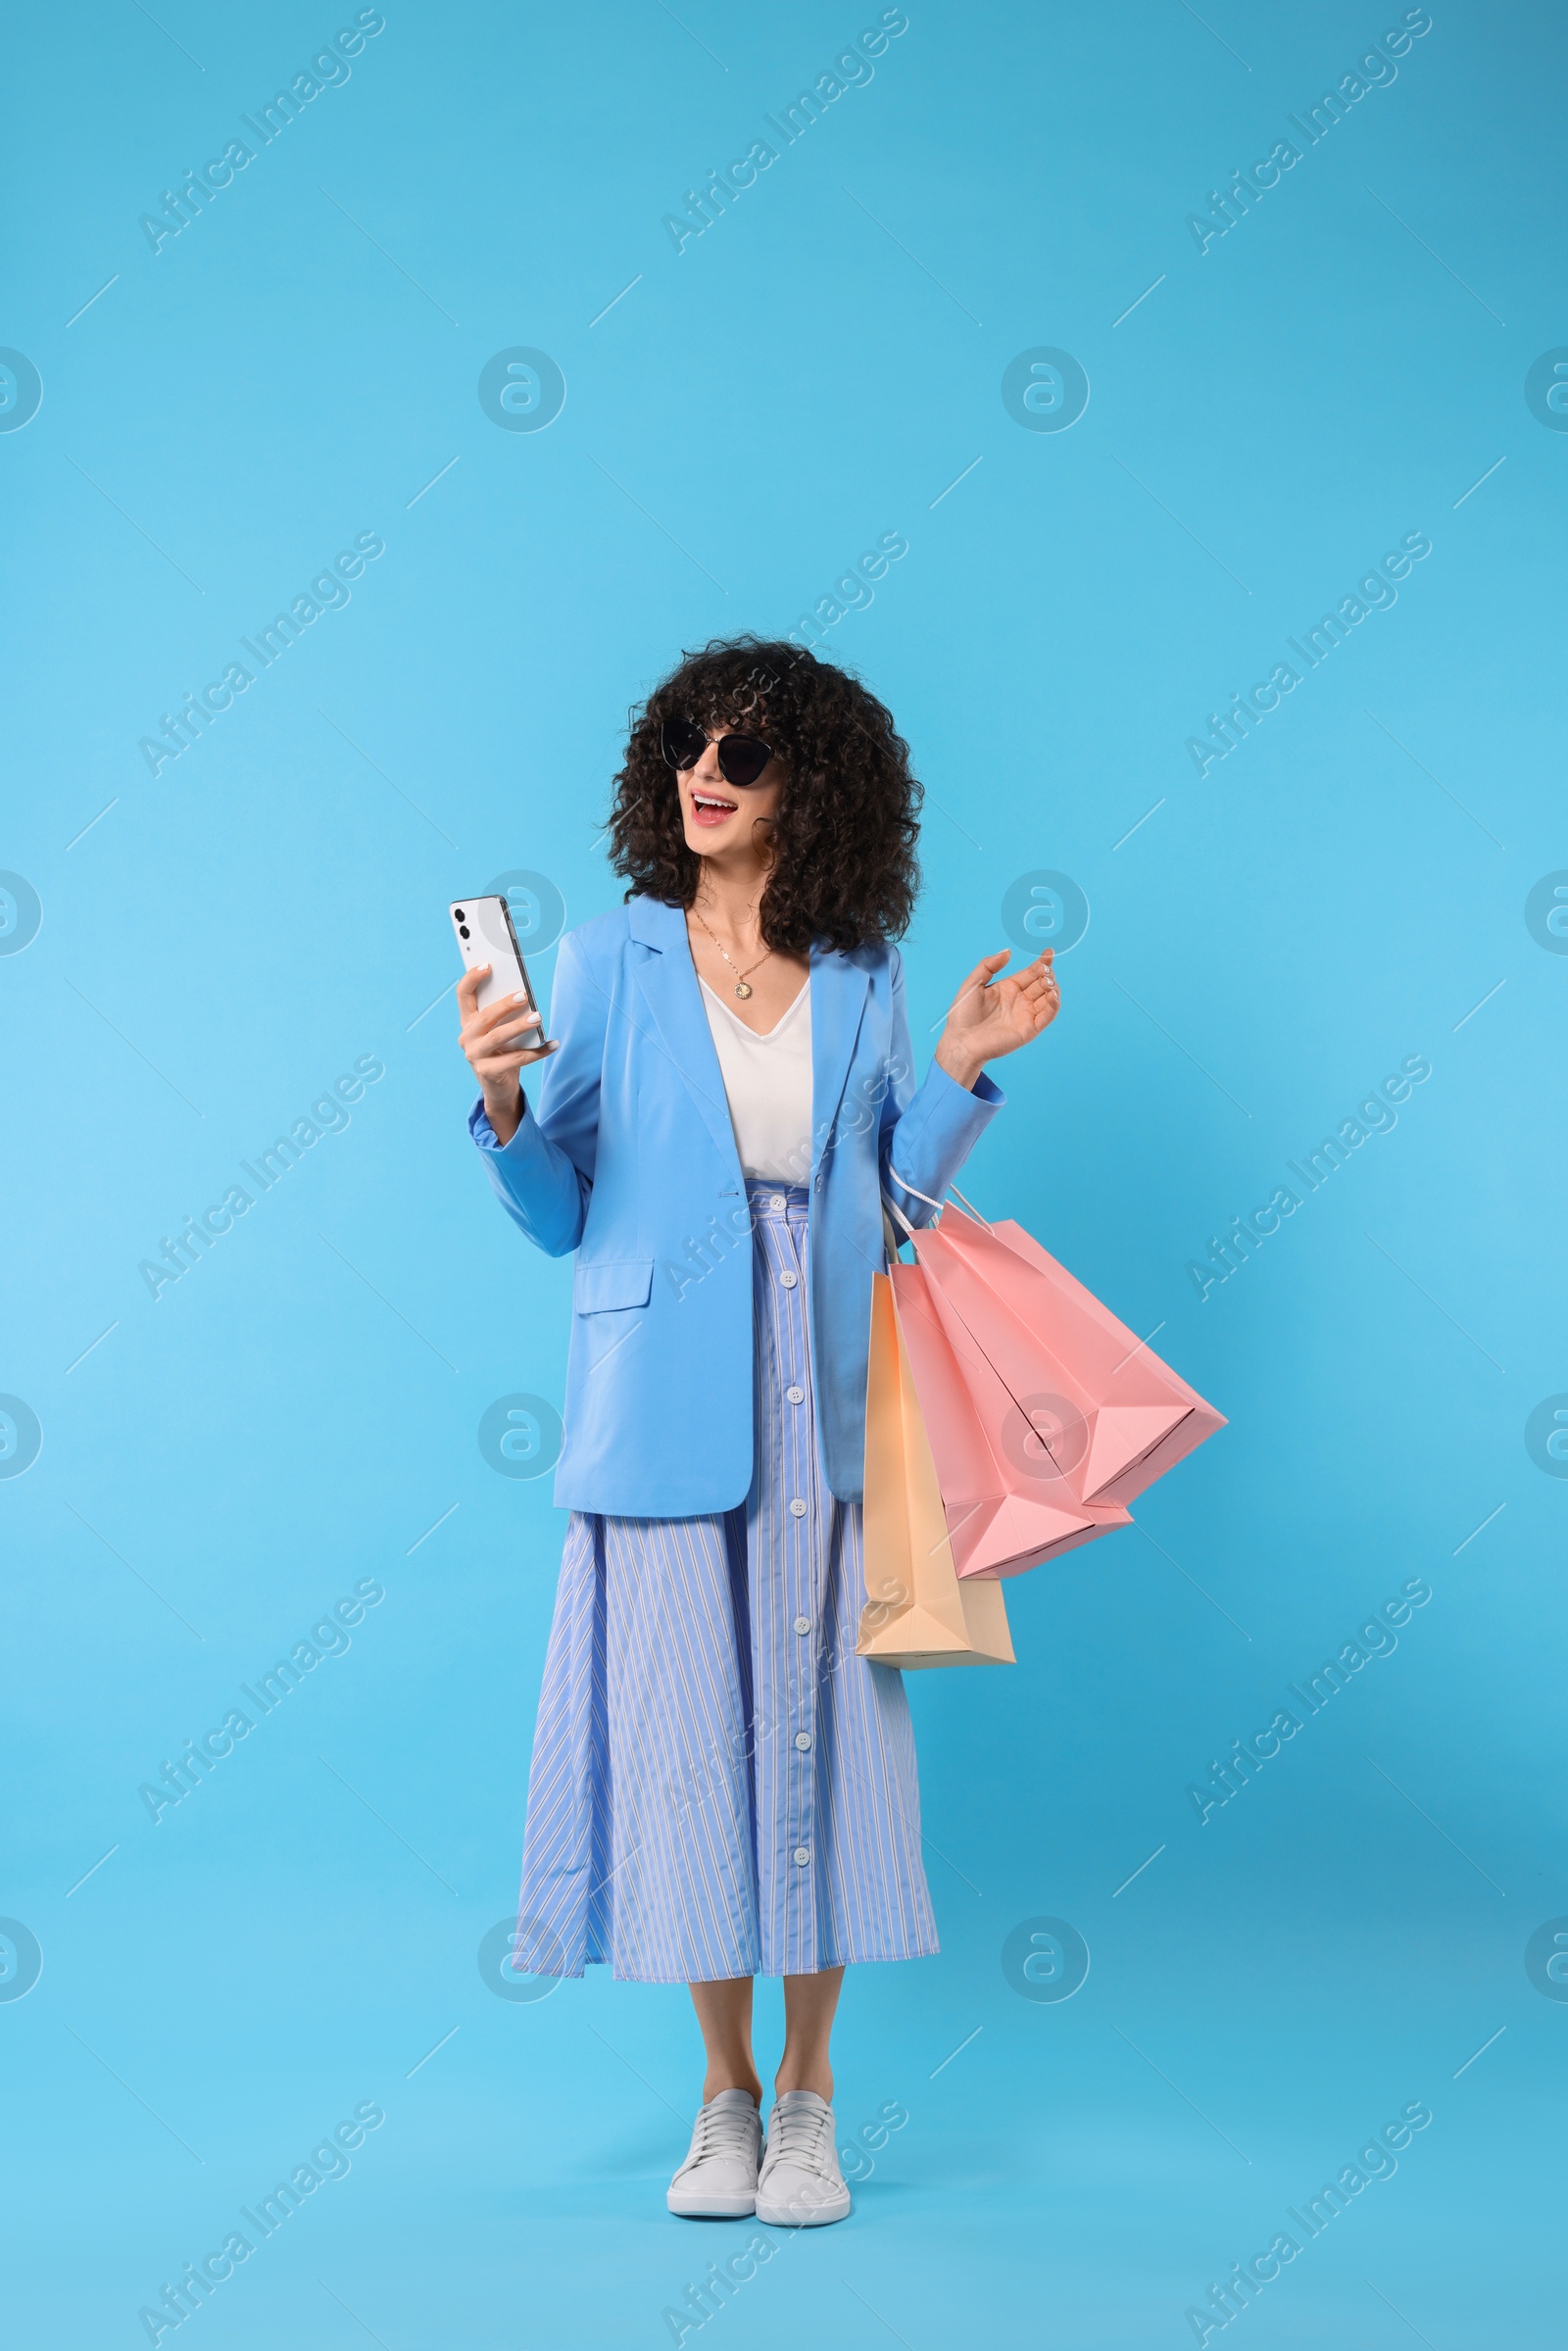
(630, 1161)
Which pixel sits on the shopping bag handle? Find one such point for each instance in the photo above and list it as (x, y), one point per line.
(905, 1186)
(967, 1206)
(893, 1216)
(915, 1193)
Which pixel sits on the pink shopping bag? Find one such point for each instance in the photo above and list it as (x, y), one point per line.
(1008, 1506)
(1107, 1414)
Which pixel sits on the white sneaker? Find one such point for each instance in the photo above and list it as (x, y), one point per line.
(801, 2186)
(717, 2181)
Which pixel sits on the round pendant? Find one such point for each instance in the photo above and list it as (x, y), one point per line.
(743, 987)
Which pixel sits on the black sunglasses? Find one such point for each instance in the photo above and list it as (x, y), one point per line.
(741, 758)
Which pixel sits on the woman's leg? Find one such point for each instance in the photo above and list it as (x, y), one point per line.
(810, 2002)
(717, 2181)
(724, 2013)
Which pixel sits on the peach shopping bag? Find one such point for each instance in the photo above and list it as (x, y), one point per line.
(918, 1613)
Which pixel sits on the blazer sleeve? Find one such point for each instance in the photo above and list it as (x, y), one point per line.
(544, 1175)
(927, 1135)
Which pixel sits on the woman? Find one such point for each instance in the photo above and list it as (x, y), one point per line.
(721, 1787)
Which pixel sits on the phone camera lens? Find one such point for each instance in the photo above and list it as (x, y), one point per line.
(458, 912)
(462, 930)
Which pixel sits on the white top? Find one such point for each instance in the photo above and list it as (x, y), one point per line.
(768, 1081)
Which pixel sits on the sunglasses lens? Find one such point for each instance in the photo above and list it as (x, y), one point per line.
(742, 759)
(683, 742)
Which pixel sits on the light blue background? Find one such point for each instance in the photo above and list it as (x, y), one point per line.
(293, 1416)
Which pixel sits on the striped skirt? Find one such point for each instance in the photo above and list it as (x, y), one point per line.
(721, 1787)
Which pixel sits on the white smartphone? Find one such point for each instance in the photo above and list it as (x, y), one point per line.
(485, 935)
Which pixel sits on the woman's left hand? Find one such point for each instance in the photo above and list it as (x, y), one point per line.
(990, 1016)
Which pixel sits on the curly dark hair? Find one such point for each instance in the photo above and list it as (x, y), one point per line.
(844, 864)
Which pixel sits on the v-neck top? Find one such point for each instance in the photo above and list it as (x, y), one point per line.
(767, 1080)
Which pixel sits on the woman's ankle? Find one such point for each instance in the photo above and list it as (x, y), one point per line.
(728, 2077)
(819, 2077)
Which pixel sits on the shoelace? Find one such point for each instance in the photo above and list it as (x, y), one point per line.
(720, 2131)
(798, 2136)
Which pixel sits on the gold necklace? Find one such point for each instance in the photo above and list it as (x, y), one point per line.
(742, 985)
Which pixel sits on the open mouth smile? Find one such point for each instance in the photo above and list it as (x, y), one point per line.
(709, 809)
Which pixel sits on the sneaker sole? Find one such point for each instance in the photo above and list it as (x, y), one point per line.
(788, 2215)
(712, 2208)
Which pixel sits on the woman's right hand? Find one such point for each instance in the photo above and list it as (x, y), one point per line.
(492, 1042)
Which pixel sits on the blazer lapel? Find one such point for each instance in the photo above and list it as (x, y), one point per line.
(667, 979)
(838, 998)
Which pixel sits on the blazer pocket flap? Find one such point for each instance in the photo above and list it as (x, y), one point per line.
(599, 1288)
